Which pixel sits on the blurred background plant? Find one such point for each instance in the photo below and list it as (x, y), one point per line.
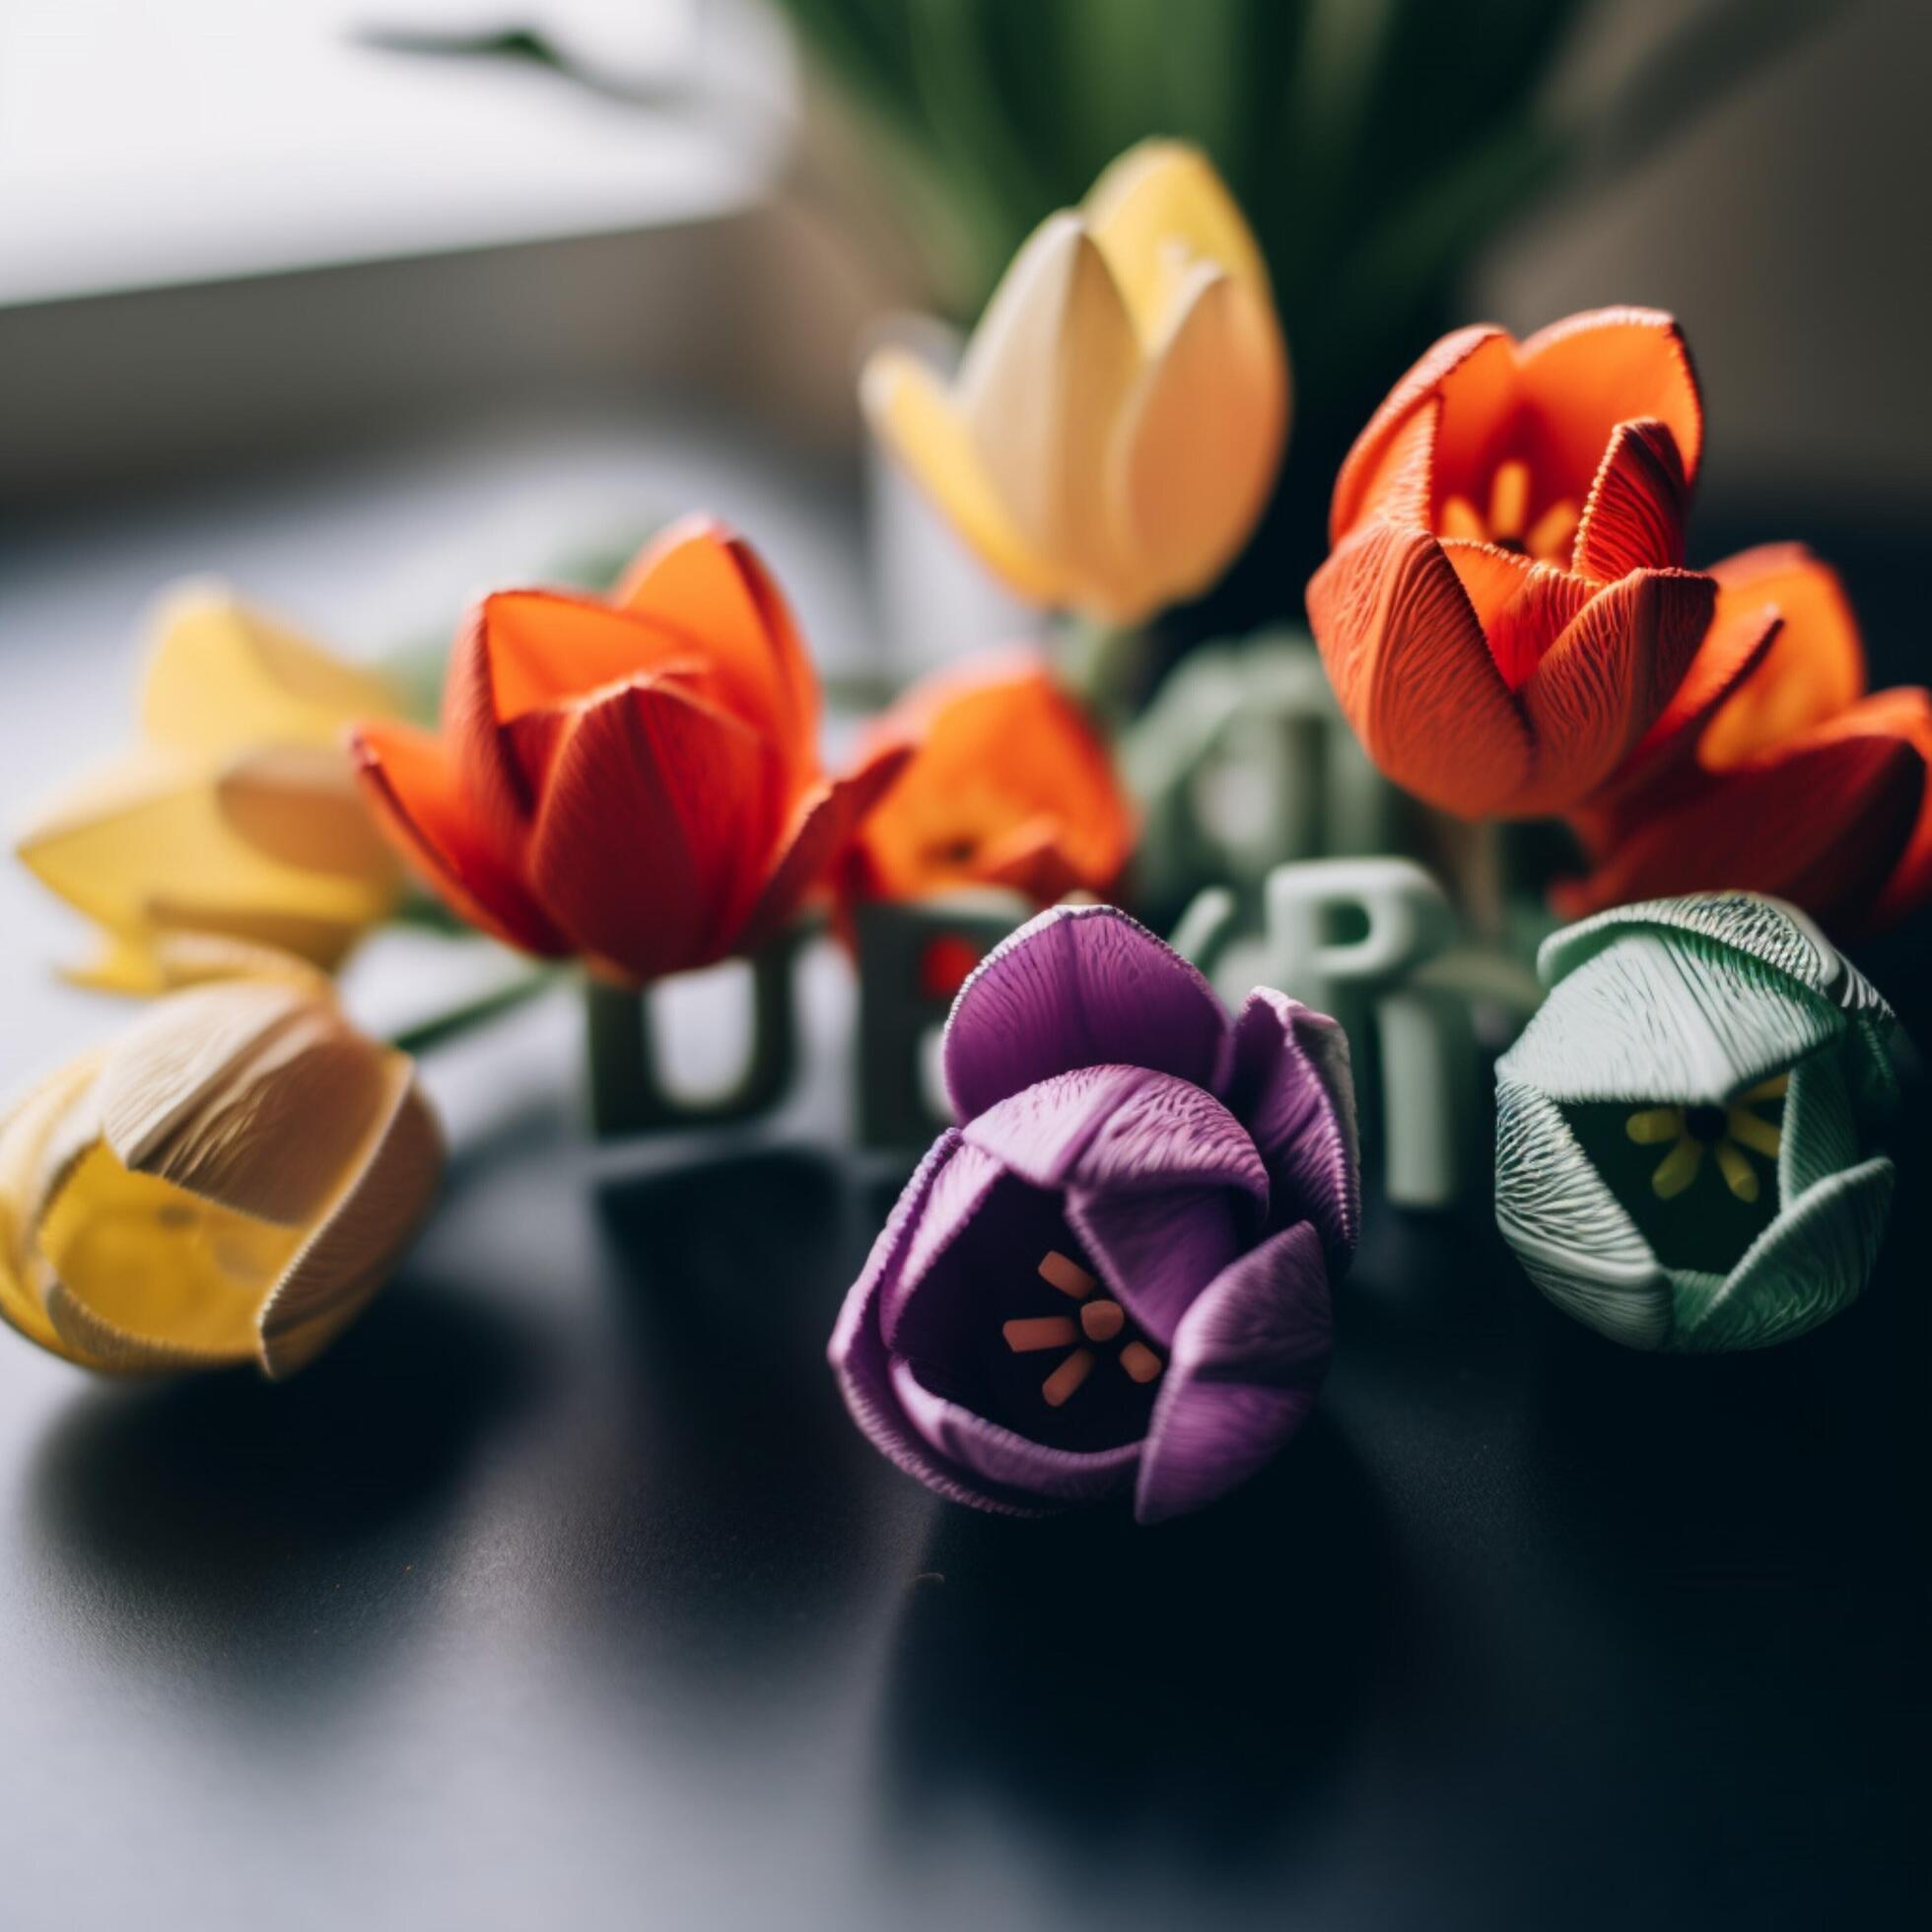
(1375, 145)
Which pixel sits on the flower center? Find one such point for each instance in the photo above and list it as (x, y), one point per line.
(1726, 1132)
(1507, 524)
(1102, 1327)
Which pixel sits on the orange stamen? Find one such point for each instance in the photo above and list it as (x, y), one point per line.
(1102, 1320)
(1068, 1377)
(1069, 1277)
(1040, 1331)
(1141, 1361)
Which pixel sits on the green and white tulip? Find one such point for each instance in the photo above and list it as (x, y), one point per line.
(1683, 1157)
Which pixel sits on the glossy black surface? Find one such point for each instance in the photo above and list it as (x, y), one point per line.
(562, 1592)
(565, 1585)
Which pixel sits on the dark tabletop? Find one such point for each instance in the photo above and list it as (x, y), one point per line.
(563, 1591)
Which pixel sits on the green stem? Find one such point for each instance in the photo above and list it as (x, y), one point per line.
(472, 1014)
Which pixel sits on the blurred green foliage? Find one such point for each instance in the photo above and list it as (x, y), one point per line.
(1376, 145)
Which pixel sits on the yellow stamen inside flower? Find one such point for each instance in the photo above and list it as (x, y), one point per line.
(1509, 500)
(1548, 539)
(1551, 535)
(1739, 1174)
(1760, 1135)
(1677, 1168)
(1727, 1132)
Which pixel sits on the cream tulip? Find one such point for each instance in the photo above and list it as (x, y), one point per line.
(230, 1182)
(1116, 423)
(238, 816)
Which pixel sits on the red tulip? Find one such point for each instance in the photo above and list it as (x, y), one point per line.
(1504, 612)
(634, 778)
(1771, 769)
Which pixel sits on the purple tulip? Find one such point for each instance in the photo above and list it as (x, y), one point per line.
(1115, 1273)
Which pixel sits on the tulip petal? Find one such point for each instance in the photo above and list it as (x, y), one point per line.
(1156, 211)
(1081, 986)
(1476, 366)
(146, 843)
(1292, 1091)
(1606, 680)
(1248, 1359)
(1818, 1128)
(701, 583)
(1003, 1458)
(1813, 1261)
(1813, 670)
(1119, 1128)
(1736, 643)
(1574, 1238)
(411, 784)
(648, 846)
(27, 1142)
(916, 418)
(1633, 517)
(1041, 387)
(1198, 437)
(1156, 1248)
(862, 1365)
(1589, 373)
(1907, 713)
(959, 1190)
(1009, 784)
(1401, 486)
(212, 1089)
(146, 1277)
(1715, 1020)
(355, 1245)
(301, 805)
(1823, 823)
(823, 824)
(1769, 931)
(542, 648)
(222, 675)
(1412, 671)
(1522, 605)
(497, 789)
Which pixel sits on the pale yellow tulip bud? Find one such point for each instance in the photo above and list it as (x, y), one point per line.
(1117, 421)
(230, 1182)
(239, 816)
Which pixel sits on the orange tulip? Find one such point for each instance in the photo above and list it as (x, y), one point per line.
(633, 779)
(1771, 769)
(1010, 785)
(1503, 612)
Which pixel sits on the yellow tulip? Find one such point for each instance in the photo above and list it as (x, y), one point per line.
(238, 816)
(230, 1182)
(1118, 417)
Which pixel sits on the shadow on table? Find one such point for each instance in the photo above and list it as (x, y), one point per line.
(1188, 1688)
(731, 1523)
(276, 1538)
